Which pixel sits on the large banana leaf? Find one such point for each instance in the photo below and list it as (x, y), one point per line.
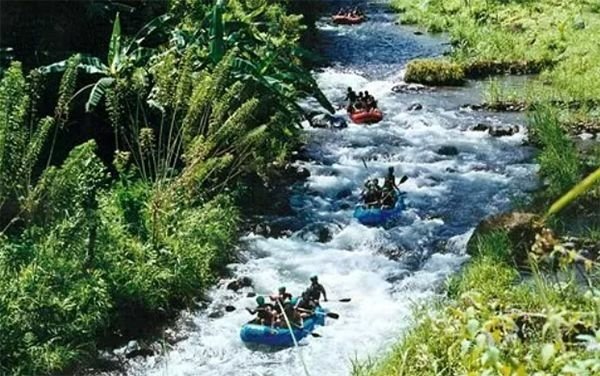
(89, 64)
(217, 44)
(146, 31)
(114, 46)
(98, 92)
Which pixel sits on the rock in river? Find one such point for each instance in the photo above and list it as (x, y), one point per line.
(448, 150)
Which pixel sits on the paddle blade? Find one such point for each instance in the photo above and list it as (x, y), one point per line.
(229, 308)
(333, 315)
(345, 300)
(316, 335)
(403, 179)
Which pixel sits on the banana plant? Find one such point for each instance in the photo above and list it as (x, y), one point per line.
(120, 60)
(278, 76)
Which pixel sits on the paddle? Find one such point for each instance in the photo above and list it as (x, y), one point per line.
(231, 308)
(333, 315)
(364, 163)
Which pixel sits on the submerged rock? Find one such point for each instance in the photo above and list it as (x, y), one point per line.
(481, 127)
(413, 88)
(447, 150)
(327, 121)
(239, 283)
(415, 107)
(216, 314)
(135, 349)
(503, 130)
(321, 232)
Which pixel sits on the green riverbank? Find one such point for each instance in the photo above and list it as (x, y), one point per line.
(527, 302)
(557, 39)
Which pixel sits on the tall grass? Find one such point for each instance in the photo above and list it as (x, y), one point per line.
(559, 163)
(497, 322)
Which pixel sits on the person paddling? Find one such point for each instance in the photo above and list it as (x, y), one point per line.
(315, 290)
(390, 188)
(372, 193)
(265, 314)
(351, 98)
(282, 297)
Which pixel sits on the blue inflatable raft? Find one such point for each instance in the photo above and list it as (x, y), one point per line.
(376, 216)
(280, 337)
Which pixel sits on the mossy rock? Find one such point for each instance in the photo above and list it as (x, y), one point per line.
(519, 227)
(434, 73)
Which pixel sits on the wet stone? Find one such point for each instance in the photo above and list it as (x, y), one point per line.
(216, 314)
(503, 130)
(481, 127)
(415, 107)
(239, 283)
(447, 150)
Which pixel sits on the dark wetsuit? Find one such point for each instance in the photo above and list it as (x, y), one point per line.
(351, 96)
(389, 190)
(315, 290)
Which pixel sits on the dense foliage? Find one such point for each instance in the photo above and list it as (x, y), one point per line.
(198, 100)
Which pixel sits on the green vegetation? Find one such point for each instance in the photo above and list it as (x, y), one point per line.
(200, 101)
(554, 38)
(434, 72)
(498, 323)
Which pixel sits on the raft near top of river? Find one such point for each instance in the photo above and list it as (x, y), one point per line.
(366, 117)
(347, 20)
(281, 337)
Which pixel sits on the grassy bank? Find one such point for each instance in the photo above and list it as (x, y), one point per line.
(176, 126)
(555, 38)
(497, 321)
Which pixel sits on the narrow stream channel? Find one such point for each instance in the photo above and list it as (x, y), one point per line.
(384, 271)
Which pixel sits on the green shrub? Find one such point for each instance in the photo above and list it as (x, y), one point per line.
(434, 72)
(559, 162)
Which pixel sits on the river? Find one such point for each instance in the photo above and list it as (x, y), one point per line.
(446, 196)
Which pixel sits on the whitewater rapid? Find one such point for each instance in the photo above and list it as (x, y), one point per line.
(446, 195)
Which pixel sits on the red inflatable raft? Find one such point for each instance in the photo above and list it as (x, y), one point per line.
(366, 117)
(347, 20)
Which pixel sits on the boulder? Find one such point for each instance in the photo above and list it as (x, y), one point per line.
(327, 121)
(172, 337)
(134, 349)
(216, 314)
(405, 87)
(321, 232)
(415, 107)
(239, 283)
(503, 130)
(447, 150)
(520, 228)
(481, 127)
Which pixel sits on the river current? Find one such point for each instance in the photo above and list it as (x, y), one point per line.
(386, 272)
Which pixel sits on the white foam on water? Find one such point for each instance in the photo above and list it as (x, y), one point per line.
(445, 197)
